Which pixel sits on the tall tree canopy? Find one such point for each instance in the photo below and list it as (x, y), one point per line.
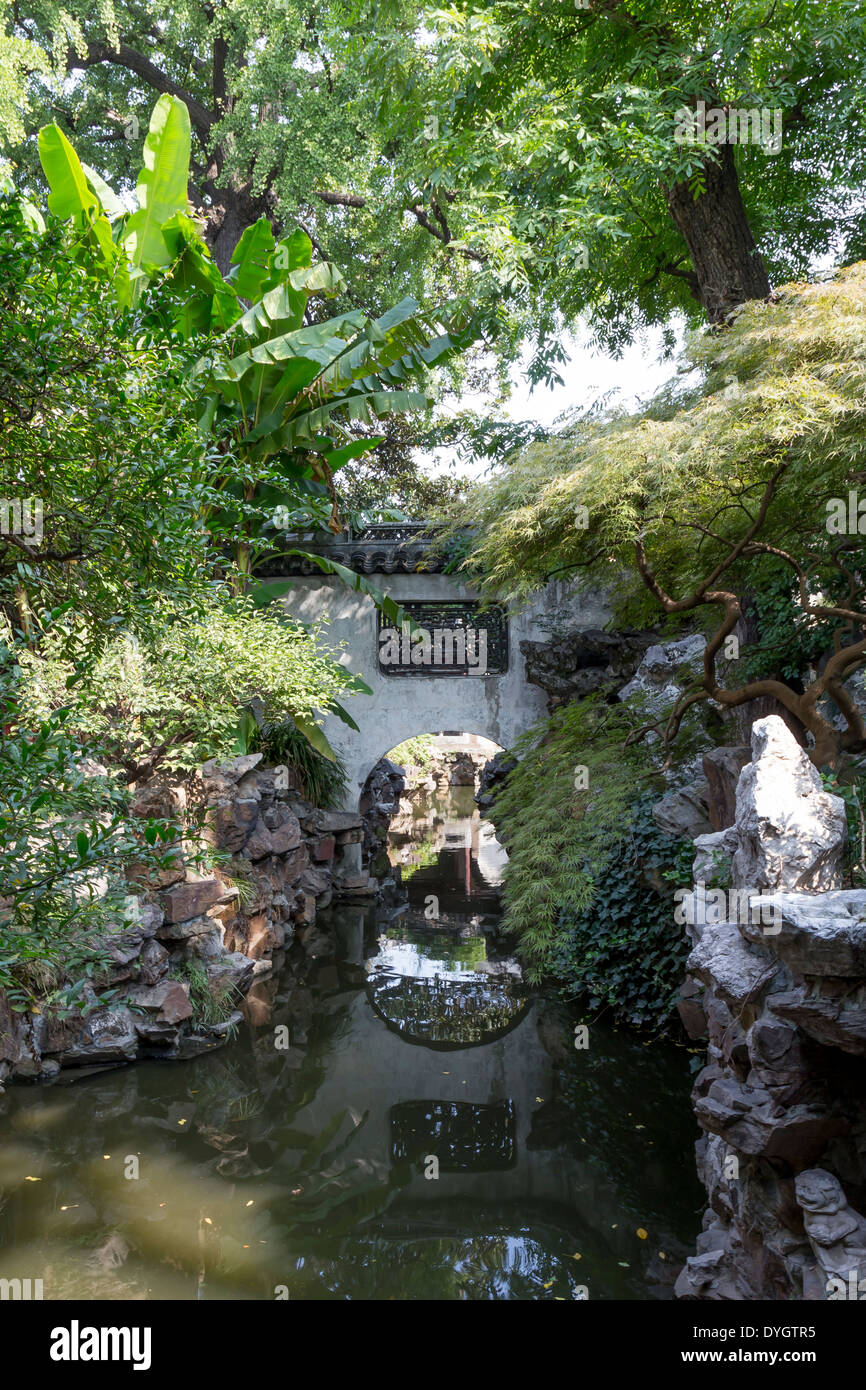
(281, 126)
(558, 136)
(531, 150)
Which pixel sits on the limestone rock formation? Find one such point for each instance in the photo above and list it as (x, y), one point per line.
(791, 833)
(782, 998)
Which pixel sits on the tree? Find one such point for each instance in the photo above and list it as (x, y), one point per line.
(281, 126)
(621, 159)
(276, 391)
(103, 476)
(698, 501)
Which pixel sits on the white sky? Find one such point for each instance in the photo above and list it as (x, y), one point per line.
(588, 374)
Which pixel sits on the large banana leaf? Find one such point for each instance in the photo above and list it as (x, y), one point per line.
(162, 183)
(204, 300)
(302, 429)
(251, 260)
(71, 195)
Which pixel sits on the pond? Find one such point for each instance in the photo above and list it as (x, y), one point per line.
(399, 1118)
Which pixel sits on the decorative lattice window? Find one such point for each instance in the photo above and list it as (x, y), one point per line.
(454, 637)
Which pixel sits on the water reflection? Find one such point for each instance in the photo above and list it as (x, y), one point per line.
(298, 1160)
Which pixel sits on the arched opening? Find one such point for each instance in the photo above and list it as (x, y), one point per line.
(443, 975)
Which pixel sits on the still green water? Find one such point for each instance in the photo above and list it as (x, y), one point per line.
(402, 1119)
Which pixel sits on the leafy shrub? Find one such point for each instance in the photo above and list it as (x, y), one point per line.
(415, 754)
(323, 782)
(66, 840)
(574, 815)
(625, 952)
(175, 700)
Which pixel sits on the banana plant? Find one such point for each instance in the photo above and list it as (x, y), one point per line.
(277, 395)
(283, 394)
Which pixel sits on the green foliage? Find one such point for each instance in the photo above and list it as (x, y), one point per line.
(174, 700)
(789, 641)
(415, 754)
(277, 117)
(625, 953)
(323, 782)
(685, 507)
(556, 125)
(282, 401)
(66, 841)
(92, 426)
(562, 809)
(668, 470)
(849, 785)
(212, 1001)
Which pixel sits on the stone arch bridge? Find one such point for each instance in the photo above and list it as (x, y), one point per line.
(461, 670)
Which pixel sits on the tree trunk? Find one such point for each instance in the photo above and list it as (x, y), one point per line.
(225, 226)
(727, 264)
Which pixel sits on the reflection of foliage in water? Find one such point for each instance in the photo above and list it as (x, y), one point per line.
(448, 947)
(442, 1010)
(424, 854)
(466, 1255)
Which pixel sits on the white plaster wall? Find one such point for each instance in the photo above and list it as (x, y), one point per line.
(498, 707)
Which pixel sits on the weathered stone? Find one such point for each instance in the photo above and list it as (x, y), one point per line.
(691, 1009)
(223, 775)
(747, 1119)
(159, 801)
(722, 768)
(232, 822)
(154, 962)
(108, 1035)
(834, 1020)
(169, 1000)
(819, 934)
(323, 848)
(315, 881)
(260, 843)
(350, 837)
(233, 968)
(184, 931)
(286, 835)
(713, 855)
(190, 899)
(684, 813)
(723, 960)
(305, 909)
(329, 822)
(791, 832)
(575, 663)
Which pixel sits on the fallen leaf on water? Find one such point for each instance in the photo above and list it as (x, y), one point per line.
(539, 1100)
(250, 1203)
(662, 1255)
(549, 1285)
(623, 1264)
(577, 1257)
(181, 1122)
(32, 1179)
(641, 1233)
